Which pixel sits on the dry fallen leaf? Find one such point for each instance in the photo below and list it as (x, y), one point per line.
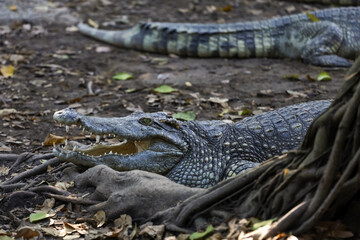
(218, 100)
(154, 232)
(296, 94)
(63, 185)
(4, 148)
(93, 23)
(81, 228)
(7, 71)
(52, 231)
(27, 232)
(103, 49)
(51, 139)
(4, 170)
(13, 8)
(100, 218)
(48, 204)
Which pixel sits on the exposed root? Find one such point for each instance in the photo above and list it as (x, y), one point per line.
(73, 200)
(27, 156)
(32, 172)
(49, 189)
(11, 187)
(287, 220)
(8, 157)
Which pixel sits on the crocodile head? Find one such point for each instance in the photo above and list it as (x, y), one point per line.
(144, 141)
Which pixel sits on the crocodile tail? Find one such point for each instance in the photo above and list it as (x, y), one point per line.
(122, 38)
(242, 40)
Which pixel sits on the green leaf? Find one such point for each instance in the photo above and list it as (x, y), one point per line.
(187, 116)
(312, 17)
(324, 76)
(244, 112)
(38, 216)
(43, 181)
(164, 89)
(200, 235)
(123, 76)
(130, 90)
(224, 111)
(4, 237)
(262, 223)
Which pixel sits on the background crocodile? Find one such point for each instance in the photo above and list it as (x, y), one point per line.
(194, 153)
(333, 2)
(326, 42)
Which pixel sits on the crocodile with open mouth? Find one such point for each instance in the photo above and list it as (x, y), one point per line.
(192, 153)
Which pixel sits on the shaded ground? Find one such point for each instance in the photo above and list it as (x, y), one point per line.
(56, 68)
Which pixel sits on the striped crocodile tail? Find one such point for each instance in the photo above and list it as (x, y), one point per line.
(240, 40)
(122, 38)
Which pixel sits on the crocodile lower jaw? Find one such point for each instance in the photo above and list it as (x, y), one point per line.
(124, 148)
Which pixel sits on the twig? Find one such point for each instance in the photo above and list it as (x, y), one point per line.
(21, 158)
(73, 200)
(8, 157)
(50, 189)
(37, 170)
(20, 195)
(31, 157)
(89, 87)
(287, 220)
(11, 187)
(62, 167)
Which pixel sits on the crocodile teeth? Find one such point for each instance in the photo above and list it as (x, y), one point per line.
(74, 148)
(66, 142)
(83, 130)
(110, 152)
(97, 138)
(54, 144)
(67, 128)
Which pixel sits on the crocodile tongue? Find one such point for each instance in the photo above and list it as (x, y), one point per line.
(123, 148)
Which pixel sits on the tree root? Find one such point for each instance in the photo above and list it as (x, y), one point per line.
(11, 187)
(49, 189)
(32, 172)
(73, 200)
(319, 180)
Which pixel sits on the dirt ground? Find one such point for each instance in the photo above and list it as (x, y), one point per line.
(56, 67)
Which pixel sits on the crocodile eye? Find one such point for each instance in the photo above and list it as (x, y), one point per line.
(146, 121)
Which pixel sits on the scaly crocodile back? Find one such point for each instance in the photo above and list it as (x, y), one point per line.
(220, 150)
(278, 131)
(332, 2)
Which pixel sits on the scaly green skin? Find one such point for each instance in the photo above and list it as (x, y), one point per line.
(193, 153)
(326, 43)
(331, 2)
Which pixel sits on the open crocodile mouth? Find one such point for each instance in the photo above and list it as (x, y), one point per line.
(124, 147)
(111, 144)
